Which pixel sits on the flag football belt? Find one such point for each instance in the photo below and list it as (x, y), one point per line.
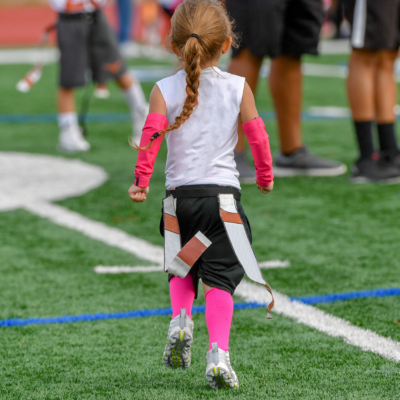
(179, 260)
(184, 192)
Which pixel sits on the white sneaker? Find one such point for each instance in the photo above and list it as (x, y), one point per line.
(179, 340)
(219, 372)
(138, 123)
(71, 140)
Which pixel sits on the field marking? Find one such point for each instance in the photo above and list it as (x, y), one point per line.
(67, 319)
(113, 237)
(19, 172)
(124, 269)
(321, 321)
(331, 298)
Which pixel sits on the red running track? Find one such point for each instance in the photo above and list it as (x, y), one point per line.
(24, 25)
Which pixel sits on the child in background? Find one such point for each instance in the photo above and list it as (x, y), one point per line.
(88, 45)
(197, 111)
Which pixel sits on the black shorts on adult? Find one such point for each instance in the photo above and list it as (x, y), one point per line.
(375, 23)
(218, 266)
(87, 45)
(277, 27)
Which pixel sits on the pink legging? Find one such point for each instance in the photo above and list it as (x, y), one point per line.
(219, 308)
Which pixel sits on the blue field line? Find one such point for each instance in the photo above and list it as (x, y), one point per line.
(125, 117)
(66, 319)
(331, 298)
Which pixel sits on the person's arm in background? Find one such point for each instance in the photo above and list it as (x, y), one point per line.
(254, 129)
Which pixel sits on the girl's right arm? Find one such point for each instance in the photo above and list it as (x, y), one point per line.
(257, 136)
(156, 121)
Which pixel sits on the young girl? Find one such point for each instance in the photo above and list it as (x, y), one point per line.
(197, 111)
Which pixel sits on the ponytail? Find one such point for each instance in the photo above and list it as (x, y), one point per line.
(198, 30)
(191, 56)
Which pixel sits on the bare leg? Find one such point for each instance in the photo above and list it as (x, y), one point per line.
(361, 85)
(66, 101)
(125, 81)
(385, 87)
(286, 83)
(248, 66)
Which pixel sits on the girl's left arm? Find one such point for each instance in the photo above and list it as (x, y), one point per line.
(156, 121)
(257, 136)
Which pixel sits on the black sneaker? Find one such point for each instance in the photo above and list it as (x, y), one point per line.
(247, 172)
(302, 162)
(391, 157)
(368, 170)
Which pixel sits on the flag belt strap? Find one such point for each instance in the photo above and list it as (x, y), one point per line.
(191, 191)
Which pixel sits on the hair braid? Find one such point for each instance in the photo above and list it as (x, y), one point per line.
(209, 21)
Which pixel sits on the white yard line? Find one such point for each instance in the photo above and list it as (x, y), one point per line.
(32, 182)
(124, 269)
(323, 322)
(274, 264)
(97, 230)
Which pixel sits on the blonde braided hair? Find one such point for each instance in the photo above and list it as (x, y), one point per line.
(198, 30)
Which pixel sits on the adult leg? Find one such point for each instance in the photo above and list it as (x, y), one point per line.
(385, 101)
(361, 94)
(285, 84)
(247, 65)
(363, 98)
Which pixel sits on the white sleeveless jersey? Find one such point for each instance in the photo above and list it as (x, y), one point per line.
(74, 6)
(201, 151)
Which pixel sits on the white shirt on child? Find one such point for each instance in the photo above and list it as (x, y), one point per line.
(201, 151)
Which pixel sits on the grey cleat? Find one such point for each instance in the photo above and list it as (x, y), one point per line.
(302, 162)
(219, 372)
(247, 172)
(179, 340)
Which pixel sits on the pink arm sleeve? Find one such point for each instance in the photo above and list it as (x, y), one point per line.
(144, 167)
(260, 149)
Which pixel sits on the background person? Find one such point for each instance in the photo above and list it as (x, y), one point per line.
(371, 87)
(283, 30)
(88, 46)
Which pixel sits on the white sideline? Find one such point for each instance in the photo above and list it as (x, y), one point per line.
(124, 269)
(323, 322)
(97, 230)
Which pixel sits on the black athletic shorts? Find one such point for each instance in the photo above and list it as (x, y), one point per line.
(375, 23)
(277, 27)
(218, 266)
(89, 49)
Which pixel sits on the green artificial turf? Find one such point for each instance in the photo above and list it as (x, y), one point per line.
(337, 236)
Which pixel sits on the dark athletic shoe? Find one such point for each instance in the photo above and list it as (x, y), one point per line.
(302, 162)
(391, 158)
(375, 171)
(247, 172)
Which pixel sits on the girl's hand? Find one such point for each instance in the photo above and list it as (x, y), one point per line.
(265, 189)
(138, 194)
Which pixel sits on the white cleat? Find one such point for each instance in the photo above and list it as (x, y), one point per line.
(138, 123)
(71, 140)
(179, 340)
(219, 372)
